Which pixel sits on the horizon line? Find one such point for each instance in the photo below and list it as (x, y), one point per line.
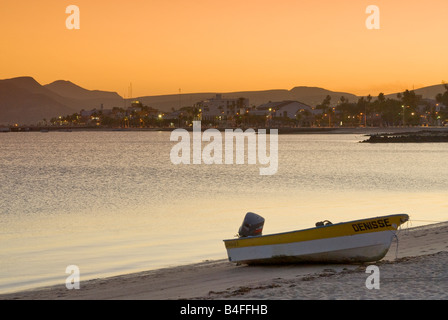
(232, 91)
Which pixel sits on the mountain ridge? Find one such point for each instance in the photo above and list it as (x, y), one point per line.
(69, 89)
(257, 97)
(24, 100)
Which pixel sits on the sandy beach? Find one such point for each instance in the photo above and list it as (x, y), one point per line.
(414, 268)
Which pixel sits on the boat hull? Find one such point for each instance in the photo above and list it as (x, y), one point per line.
(350, 242)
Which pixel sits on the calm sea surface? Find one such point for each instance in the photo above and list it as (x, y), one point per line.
(113, 203)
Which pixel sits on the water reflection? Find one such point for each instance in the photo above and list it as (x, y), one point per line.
(112, 202)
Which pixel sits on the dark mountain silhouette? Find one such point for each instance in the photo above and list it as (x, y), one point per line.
(308, 95)
(429, 92)
(314, 95)
(168, 102)
(68, 89)
(30, 85)
(23, 100)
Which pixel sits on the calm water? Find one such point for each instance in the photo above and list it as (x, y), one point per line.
(112, 202)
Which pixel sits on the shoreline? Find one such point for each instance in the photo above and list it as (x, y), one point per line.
(422, 255)
(284, 130)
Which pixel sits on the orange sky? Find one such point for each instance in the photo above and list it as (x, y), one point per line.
(222, 46)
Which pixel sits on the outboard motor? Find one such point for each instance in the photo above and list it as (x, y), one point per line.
(252, 225)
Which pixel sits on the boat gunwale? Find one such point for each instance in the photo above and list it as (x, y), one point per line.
(325, 226)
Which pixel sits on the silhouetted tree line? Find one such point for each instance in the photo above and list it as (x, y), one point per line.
(407, 109)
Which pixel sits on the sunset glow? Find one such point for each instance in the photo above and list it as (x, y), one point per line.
(223, 46)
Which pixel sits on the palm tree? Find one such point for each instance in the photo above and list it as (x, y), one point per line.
(367, 106)
(443, 97)
(325, 107)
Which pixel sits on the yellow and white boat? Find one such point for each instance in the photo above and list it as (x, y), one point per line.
(356, 241)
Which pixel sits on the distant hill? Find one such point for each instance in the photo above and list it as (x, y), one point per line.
(429, 92)
(23, 100)
(168, 102)
(70, 90)
(30, 85)
(308, 95)
(314, 95)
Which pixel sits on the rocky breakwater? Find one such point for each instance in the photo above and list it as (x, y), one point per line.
(406, 137)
